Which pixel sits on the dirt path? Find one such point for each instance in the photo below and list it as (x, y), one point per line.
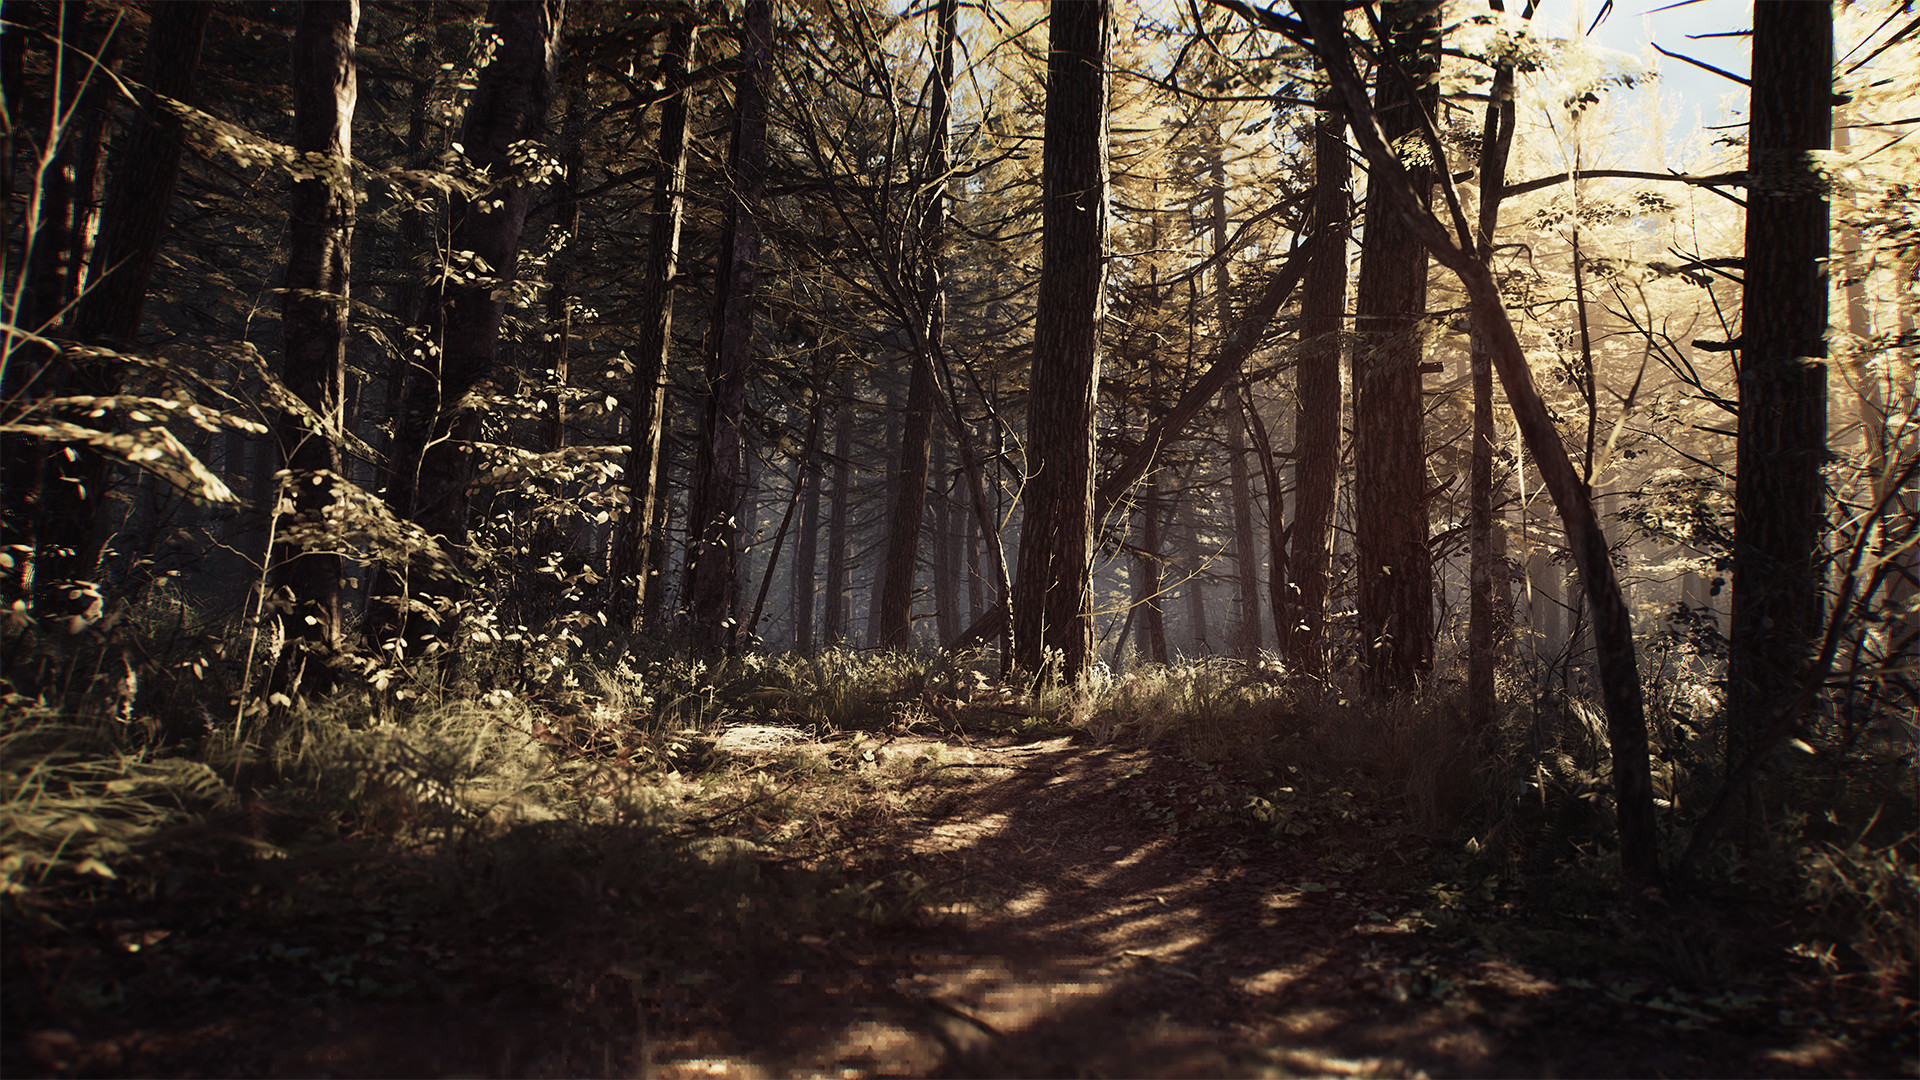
(1097, 944)
(1090, 916)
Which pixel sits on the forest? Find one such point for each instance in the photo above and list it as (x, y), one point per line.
(741, 538)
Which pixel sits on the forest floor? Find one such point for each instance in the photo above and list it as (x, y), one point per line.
(1009, 906)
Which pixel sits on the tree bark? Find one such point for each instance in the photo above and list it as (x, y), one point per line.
(712, 539)
(434, 465)
(1390, 524)
(634, 540)
(314, 319)
(1779, 500)
(1051, 599)
(833, 629)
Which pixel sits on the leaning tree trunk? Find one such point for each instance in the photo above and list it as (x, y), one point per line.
(434, 454)
(1779, 499)
(313, 316)
(712, 535)
(1613, 628)
(1051, 597)
(634, 540)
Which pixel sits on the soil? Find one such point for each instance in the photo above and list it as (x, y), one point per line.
(1072, 934)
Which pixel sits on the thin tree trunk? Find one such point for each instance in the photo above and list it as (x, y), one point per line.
(1277, 589)
(1244, 634)
(806, 553)
(314, 317)
(712, 539)
(563, 268)
(834, 621)
(1051, 603)
(946, 563)
(629, 577)
(1149, 564)
(1485, 623)
(62, 497)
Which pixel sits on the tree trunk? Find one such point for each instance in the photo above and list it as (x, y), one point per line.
(1276, 512)
(314, 318)
(1051, 599)
(1244, 632)
(806, 554)
(1317, 405)
(1779, 500)
(634, 540)
(563, 267)
(833, 628)
(434, 464)
(61, 498)
(712, 534)
(1613, 629)
(1390, 533)
(946, 561)
(1148, 563)
(908, 510)
(1486, 620)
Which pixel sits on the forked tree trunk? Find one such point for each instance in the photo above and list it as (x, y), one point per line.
(1051, 599)
(314, 317)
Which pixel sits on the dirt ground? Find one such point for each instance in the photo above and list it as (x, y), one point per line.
(1077, 936)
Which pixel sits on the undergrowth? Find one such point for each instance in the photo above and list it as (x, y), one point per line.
(363, 848)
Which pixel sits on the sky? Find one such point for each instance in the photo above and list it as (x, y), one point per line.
(1632, 24)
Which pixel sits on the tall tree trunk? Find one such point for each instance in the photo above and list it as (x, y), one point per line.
(314, 315)
(1779, 500)
(712, 536)
(833, 628)
(634, 539)
(1390, 534)
(908, 509)
(976, 581)
(946, 561)
(806, 554)
(1052, 608)
(1244, 631)
(1317, 405)
(1486, 619)
(434, 464)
